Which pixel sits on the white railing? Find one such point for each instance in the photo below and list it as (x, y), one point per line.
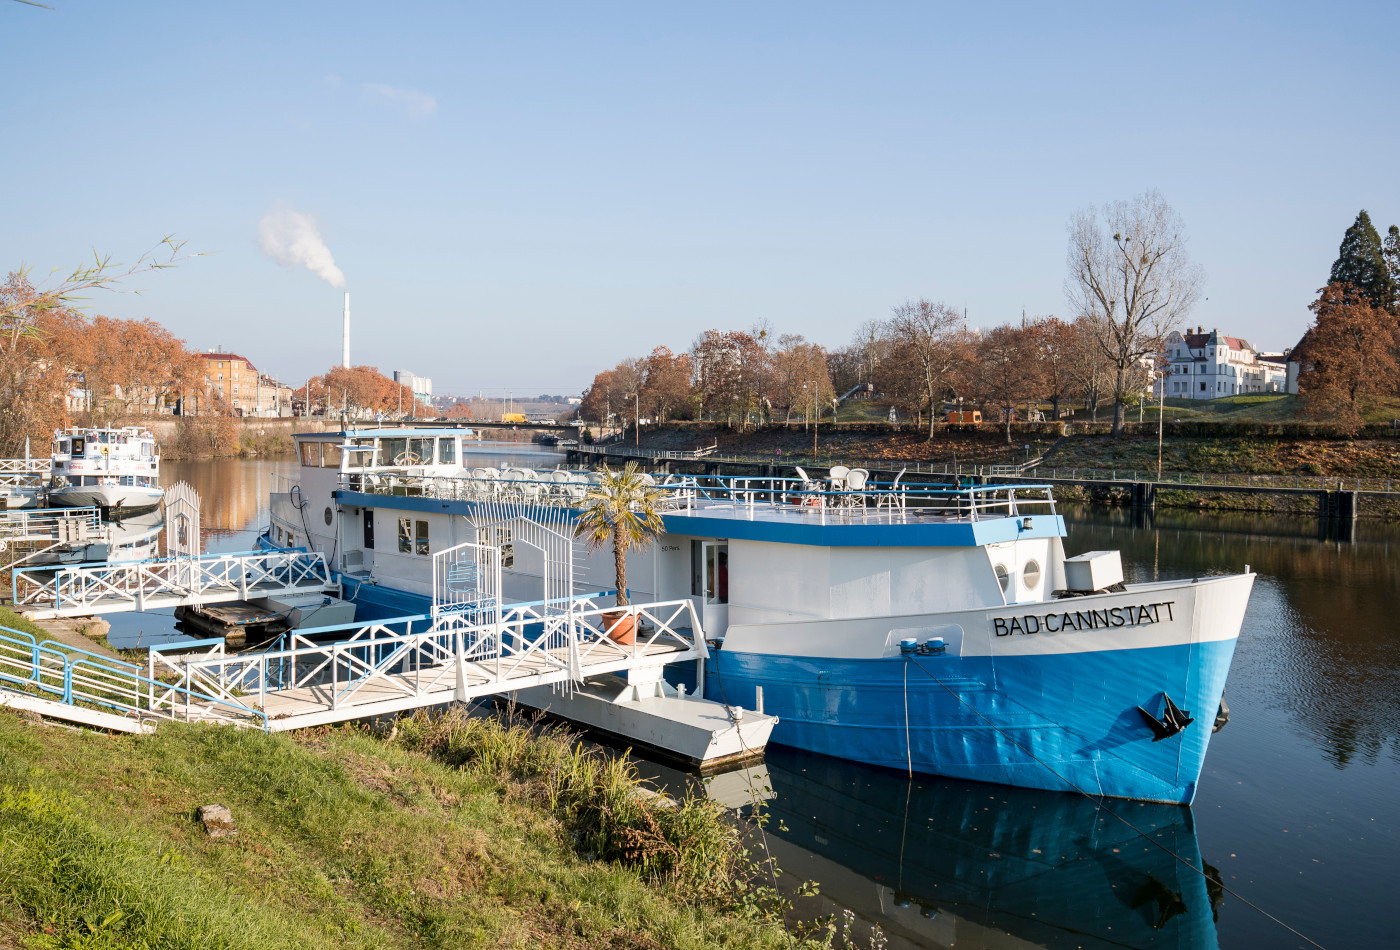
(50, 523)
(283, 482)
(824, 500)
(75, 677)
(30, 466)
(449, 657)
(99, 588)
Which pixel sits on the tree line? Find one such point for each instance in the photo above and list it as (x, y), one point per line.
(1129, 280)
(61, 367)
(921, 361)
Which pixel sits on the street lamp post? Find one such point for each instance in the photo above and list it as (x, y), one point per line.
(636, 419)
(1161, 402)
(816, 419)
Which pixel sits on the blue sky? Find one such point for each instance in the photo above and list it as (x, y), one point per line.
(520, 194)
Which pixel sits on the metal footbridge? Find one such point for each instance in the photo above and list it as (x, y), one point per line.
(333, 674)
(470, 645)
(83, 590)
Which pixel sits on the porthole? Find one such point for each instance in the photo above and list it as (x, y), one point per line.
(328, 515)
(1030, 575)
(1003, 577)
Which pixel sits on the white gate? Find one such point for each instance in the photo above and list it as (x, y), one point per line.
(467, 583)
(182, 538)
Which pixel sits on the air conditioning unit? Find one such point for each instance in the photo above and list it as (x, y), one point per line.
(1093, 570)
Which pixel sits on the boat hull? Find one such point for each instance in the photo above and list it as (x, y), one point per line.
(125, 497)
(1054, 710)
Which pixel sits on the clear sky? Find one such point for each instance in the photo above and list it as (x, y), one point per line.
(520, 194)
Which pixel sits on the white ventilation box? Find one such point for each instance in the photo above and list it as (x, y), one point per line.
(1093, 570)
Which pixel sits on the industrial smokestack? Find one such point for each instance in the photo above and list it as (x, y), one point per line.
(345, 338)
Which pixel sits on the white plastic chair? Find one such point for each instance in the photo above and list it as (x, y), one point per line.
(838, 475)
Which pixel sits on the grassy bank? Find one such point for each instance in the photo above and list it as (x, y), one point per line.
(452, 833)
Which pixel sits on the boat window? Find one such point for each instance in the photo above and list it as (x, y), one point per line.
(331, 454)
(420, 540)
(447, 451)
(420, 451)
(391, 451)
(1003, 577)
(362, 457)
(1030, 575)
(146, 450)
(405, 535)
(65, 447)
(311, 453)
(291, 539)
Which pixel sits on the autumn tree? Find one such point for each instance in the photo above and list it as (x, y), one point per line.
(1348, 356)
(1091, 374)
(1054, 340)
(33, 382)
(1361, 262)
(798, 366)
(461, 409)
(932, 347)
(133, 364)
(730, 372)
(1006, 370)
(1131, 277)
(665, 383)
(612, 392)
(361, 391)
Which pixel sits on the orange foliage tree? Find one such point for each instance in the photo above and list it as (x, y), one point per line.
(1350, 356)
(361, 391)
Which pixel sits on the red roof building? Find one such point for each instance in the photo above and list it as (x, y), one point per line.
(1212, 365)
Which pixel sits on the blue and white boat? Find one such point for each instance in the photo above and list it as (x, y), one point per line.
(931, 629)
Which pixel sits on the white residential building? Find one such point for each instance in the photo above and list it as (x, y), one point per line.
(1210, 365)
(420, 386)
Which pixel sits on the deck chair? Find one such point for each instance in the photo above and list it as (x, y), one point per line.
(809, 485)
(855, 487)
(893, 498)
(838, 475)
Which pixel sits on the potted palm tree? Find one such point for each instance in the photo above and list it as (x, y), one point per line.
(623, 508)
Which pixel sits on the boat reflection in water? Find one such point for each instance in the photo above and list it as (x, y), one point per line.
(946, 863)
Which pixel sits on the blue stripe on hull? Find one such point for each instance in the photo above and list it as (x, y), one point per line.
(1012, 720)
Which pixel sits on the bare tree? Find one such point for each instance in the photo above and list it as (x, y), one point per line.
(933, 342)
(1131, 277)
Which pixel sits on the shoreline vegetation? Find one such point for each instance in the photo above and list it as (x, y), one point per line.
(448, 830)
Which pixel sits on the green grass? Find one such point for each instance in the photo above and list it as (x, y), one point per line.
(448, 836)
(8, 618)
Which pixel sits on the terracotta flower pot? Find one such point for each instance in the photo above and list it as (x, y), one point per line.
(620, 626)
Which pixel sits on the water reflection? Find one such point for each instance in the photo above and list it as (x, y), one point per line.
(944, 863)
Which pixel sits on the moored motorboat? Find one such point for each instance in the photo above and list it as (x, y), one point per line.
(106, 468)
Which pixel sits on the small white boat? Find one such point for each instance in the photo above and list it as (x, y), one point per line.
(106, 468)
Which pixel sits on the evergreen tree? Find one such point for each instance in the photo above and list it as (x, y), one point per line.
(1391, 250)
(1361, 263)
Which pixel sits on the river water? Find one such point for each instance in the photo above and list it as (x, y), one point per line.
(1296, 813)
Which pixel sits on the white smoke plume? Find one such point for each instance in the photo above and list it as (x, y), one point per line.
(291, 238)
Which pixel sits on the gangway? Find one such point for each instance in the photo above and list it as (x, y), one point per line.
(50, 524)
(334, 674)
(82, 590)
(24, 473)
